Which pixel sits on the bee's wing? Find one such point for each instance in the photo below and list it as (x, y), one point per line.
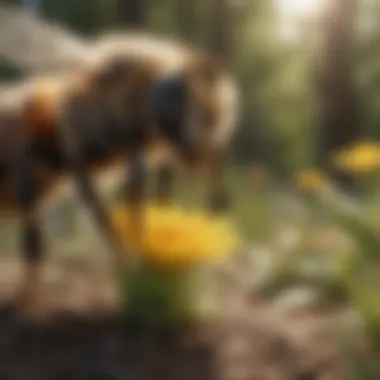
(34, 45)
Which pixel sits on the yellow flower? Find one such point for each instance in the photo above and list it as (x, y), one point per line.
(363, 158)
(311, 180)
(172, 237)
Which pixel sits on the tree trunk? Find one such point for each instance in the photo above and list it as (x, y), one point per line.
(187, 19)
(221, 34)
(337, 94)
(132, 13)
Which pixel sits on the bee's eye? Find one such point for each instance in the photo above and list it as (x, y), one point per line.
(169, 97)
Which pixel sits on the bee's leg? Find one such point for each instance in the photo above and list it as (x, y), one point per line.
(135, 188)
(90, 198)
(72, 148)
(218, 197)
(165, 182)
(32, 242)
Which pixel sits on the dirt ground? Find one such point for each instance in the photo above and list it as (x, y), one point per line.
(79, 336)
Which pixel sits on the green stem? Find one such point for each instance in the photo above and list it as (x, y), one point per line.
(154, 296)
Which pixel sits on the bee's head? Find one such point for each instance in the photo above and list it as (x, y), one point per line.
(200, 106)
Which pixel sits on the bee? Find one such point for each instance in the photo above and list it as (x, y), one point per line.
(133, 91)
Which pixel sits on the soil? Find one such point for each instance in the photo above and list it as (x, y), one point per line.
(69, 341)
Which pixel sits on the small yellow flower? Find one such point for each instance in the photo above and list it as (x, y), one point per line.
(311, 180)
(172, 237)
(364, 158)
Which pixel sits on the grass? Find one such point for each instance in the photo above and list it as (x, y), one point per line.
(268, 215)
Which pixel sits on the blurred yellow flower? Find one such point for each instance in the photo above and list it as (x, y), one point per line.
(172, 237)
(363, 158)
(311, 179)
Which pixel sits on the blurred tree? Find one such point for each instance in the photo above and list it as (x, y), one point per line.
(187, 19)
(339, 123)
(367, 60)
(277, 119)
(87, 17)
(221, 29)
(132, 13)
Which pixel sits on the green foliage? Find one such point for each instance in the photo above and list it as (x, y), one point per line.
(85, 16)
(162, 17)
(361, 272)
(360, 366)
(277, 126)
(156, 297)
(8, 72)
(367, 63)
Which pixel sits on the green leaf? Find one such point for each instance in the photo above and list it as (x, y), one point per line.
(348, 216)
(154, 296)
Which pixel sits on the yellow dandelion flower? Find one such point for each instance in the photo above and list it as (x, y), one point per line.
(364, 158)
(171, 236)
(311, 180)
